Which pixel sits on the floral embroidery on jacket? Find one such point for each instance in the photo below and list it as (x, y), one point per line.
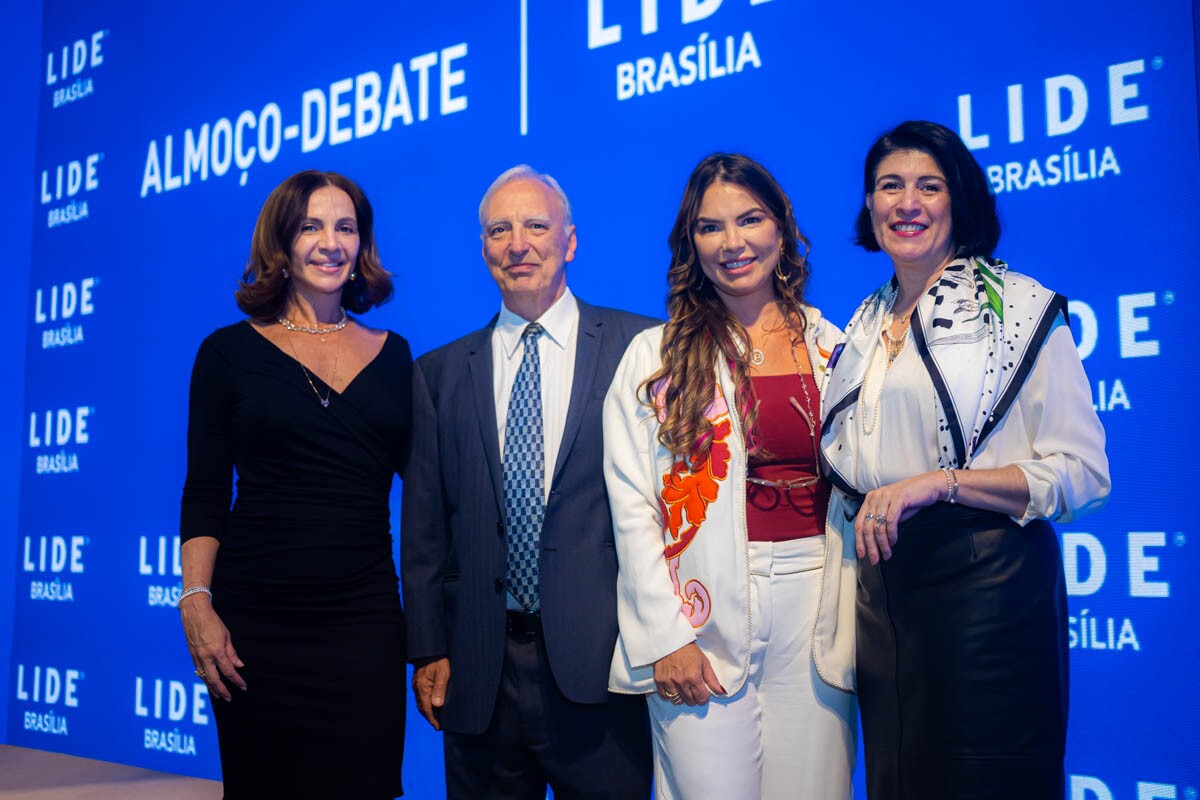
(684, 501)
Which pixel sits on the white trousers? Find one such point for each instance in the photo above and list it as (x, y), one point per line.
(786, 733)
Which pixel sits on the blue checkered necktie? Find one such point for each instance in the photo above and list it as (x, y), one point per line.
(524, 472)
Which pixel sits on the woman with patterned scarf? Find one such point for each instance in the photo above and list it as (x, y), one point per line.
(958, 421)
(734, 598)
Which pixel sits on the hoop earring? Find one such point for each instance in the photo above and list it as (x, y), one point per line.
(779, 273)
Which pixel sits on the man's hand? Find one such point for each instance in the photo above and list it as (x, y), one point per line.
(429, 685)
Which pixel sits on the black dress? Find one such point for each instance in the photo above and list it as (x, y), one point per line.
(304, 577)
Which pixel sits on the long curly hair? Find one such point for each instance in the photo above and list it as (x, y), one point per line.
(700, 329)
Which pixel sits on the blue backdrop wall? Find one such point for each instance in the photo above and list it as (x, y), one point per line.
(160, 132)
(19, 94)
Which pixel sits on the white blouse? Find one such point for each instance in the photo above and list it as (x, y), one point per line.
(1051, 433)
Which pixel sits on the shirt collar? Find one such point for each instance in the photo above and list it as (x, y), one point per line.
(557, 323)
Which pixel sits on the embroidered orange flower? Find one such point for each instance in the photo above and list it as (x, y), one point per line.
(687, 493)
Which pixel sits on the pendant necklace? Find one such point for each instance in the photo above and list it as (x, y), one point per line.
(809, 416)
(307, 375)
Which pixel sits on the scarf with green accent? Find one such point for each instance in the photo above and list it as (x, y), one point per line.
(978, 331)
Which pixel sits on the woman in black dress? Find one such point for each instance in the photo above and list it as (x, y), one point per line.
(290, 602)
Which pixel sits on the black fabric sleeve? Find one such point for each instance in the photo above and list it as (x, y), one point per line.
(208, 488)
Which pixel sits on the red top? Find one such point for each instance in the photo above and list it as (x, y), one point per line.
(775, 514)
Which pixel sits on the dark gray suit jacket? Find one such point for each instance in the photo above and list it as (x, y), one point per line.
(453, 547)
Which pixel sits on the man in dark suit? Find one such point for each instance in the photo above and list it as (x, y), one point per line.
(507, 555)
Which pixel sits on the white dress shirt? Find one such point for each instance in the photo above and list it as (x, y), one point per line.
(556, 351)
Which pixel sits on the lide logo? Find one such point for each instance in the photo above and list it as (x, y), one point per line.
(69, 68)
(58, 307)
(61, 428)
(53, 689)
(161, 557)
(54, 559)
(170, 701)
(63, 183)
(56, 427)
(706, 58)
(1068, 102)
(1089, 566)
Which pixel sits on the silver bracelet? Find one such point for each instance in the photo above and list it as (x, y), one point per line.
(192, 591)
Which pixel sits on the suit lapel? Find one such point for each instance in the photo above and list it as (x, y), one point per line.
(587, 358)
(479, 362)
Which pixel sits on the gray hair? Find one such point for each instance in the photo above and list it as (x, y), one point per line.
(524, 172)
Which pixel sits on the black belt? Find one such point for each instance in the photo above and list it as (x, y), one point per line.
(520, 623)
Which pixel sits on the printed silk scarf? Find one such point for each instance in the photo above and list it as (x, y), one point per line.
(978, 331)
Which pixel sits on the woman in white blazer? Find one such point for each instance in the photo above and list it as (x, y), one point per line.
(735, 598)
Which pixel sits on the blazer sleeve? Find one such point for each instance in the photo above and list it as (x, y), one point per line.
(424, 535)
(651, 622)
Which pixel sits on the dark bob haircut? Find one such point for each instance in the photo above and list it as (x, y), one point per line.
(975, 226)
(263, 291)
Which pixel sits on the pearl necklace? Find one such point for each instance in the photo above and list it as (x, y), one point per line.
(892, 350)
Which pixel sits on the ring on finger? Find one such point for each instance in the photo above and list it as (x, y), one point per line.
(881, 519)
(671, 695)
(676, 699)
(200, 673)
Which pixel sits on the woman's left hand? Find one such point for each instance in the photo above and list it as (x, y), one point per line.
(876, 528)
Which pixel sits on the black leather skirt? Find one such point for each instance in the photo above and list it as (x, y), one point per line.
(963, 660)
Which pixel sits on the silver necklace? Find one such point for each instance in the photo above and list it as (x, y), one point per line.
(288, 325)
(308, 377)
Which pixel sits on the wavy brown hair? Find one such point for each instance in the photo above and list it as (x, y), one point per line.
(700, 329)
(263, 290)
